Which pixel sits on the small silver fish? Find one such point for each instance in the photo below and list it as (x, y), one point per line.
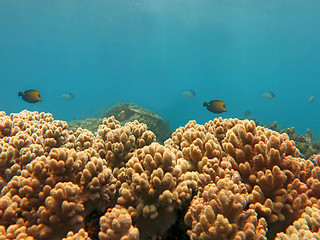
(268, 95)
(312, 99)
(67, 96)
(188, 93)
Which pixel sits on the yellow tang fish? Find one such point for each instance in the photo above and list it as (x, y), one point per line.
(30, 96)
(215, 106)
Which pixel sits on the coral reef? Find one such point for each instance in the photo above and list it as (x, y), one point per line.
(90, 124)
(124, 113)
(116, 224)
(226, 179)
(306, 143)
(306, 227)
(128, 112)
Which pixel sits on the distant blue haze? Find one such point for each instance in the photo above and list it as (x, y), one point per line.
(147, 52)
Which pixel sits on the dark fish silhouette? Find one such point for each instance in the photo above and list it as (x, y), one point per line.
(30, 96)
(215, 106)
(247, 113)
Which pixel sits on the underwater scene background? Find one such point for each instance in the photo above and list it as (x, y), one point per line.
(147, 52)
(159, 120)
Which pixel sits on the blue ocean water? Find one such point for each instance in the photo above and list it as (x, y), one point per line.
(146, 52)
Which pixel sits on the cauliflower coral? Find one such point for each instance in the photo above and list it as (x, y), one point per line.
(226, 179)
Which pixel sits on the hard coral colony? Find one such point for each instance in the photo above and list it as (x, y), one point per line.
(234, 179)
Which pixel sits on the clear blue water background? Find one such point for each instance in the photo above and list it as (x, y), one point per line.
(147, 52)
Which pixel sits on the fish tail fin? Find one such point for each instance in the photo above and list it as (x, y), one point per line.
(205, 104)
(20, 94)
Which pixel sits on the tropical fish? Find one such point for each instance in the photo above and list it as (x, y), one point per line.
(215, 106)
(188, 93)
(122, 115)
(101, 111)
(67, 96)
(30, 96)
(125, 114)
(312, 99)
(267, 95)
(247, 113)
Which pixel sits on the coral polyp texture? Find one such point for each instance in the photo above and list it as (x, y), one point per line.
(226, 179)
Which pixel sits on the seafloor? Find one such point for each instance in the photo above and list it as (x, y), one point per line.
(226, 179)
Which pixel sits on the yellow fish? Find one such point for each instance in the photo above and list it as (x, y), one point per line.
(215, 106)
(122, 115)
(30, 96)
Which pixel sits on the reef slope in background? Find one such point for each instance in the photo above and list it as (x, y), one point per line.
(226, 179)
(129, 112)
